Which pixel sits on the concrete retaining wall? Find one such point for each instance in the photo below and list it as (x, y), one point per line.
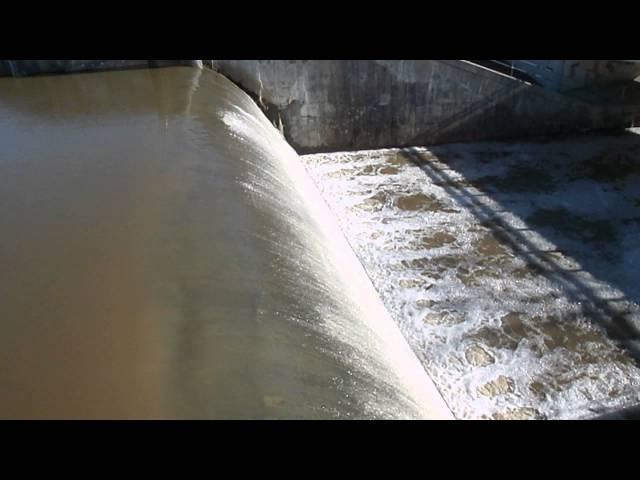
(326, 105)
(564, 75)
(329, 105)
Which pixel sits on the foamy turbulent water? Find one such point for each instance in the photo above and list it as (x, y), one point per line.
(512, 269)
(165, 255)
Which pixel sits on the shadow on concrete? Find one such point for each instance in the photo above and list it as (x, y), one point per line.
(616, 322)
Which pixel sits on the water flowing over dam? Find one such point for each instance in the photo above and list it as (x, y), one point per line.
(319, 239)
(165, 255)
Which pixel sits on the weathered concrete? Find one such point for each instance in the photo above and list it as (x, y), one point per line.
(562, 75)
(326, 105)
(329, 105)
(35, 67)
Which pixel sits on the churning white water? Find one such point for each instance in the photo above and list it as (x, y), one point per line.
(511, 268)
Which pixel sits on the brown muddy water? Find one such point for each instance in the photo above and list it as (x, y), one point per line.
(164, 255)
(511, 268)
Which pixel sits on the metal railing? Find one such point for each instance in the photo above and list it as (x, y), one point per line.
(506, 67)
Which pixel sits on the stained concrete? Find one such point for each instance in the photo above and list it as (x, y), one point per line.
(562, 75)
(333, 105)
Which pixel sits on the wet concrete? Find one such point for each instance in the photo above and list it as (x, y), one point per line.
(164, 255)
(510, 267)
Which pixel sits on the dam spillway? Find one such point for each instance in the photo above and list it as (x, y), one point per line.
(165, 255)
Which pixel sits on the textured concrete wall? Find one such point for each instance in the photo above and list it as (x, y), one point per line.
(35, 67)
(326, 105)
(562, 75)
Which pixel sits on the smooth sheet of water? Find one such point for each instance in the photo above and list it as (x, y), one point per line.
(164, 255)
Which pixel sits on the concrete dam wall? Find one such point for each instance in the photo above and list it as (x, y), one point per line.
(333, 105)
(170, 255)
(561, 75)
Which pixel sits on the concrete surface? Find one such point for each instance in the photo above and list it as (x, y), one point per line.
(562, 75)
(333, 105)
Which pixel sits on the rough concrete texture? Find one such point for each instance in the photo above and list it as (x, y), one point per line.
(329, 105)
(326, 105)
(34, 67)
(563, 75)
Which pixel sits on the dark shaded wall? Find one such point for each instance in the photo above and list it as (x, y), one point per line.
(35, 67)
